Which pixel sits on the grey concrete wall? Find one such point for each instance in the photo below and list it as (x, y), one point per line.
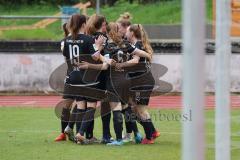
(170, 31)
(174, 74)
(30, 72)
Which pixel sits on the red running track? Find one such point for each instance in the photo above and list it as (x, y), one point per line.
(168, 102)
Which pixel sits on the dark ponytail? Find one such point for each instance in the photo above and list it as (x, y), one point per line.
(65, 29)
(76, 23)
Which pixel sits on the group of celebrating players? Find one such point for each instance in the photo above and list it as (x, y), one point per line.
(117, 57)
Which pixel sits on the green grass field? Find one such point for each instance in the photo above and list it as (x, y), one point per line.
(165, 12)
(28, 133)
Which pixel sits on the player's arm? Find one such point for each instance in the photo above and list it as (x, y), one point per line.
(135, 51)
(62, 46)
(129, 63)
(63, 50)
(86, 65)
(142, 53)
(107, 60)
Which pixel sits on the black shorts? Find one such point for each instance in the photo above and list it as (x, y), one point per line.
(141, 88)
(75, 97)
(118, 84)
(141, 95)
(71, 87)
(102, 78)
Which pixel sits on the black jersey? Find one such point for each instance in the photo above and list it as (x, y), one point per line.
(102, 78)
(120, 53)
(143, 65)
(77, 50)
(80, 49)
(139, 45)
(143, 81)
(117, 81)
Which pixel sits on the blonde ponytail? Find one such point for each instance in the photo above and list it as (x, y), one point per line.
(145, 41)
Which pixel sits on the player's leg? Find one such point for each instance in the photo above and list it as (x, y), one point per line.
(65, 114)
(89, 131)
(80, 103)
(128, 124)
(106, 118)
(131, 125)
(86, 121)
(146, 122)
(116, 108)
(81, 109)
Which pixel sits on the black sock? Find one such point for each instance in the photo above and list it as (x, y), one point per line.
(130, 120)
(127, 120)
(147, 128)
(134, 124)
(106, 118)
(87, 120)
(152, 126)
(89, 131)
(65, 118)
(118, 124)
(72, 118)
(80, 114)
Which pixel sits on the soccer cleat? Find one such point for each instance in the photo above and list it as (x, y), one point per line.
(155, 134)
(138, 138)
(94, 140)
(79, 139)
(127, 138)
(147, 141)
(111, 139)
(115, 143)
(86, 141)
(61, 137)
(69, 132)
(105, 140)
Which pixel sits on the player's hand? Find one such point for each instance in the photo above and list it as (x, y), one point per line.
(83, 65)
(75, 63)
(111, 62)
(119, 66)
(99, 42)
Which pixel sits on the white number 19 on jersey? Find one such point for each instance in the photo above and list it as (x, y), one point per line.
(73, 51)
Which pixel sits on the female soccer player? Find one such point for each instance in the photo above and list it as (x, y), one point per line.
(95, 27)
(75, 45)
(67, 103)
(138, 37)
(78, 108)
(124, 21)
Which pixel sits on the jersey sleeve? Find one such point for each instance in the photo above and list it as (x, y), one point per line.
(110, 49)
(139, 45)
(62, 45)
(129, 48)
(63, 48)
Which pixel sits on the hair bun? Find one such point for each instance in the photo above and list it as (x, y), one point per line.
(126, 16)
